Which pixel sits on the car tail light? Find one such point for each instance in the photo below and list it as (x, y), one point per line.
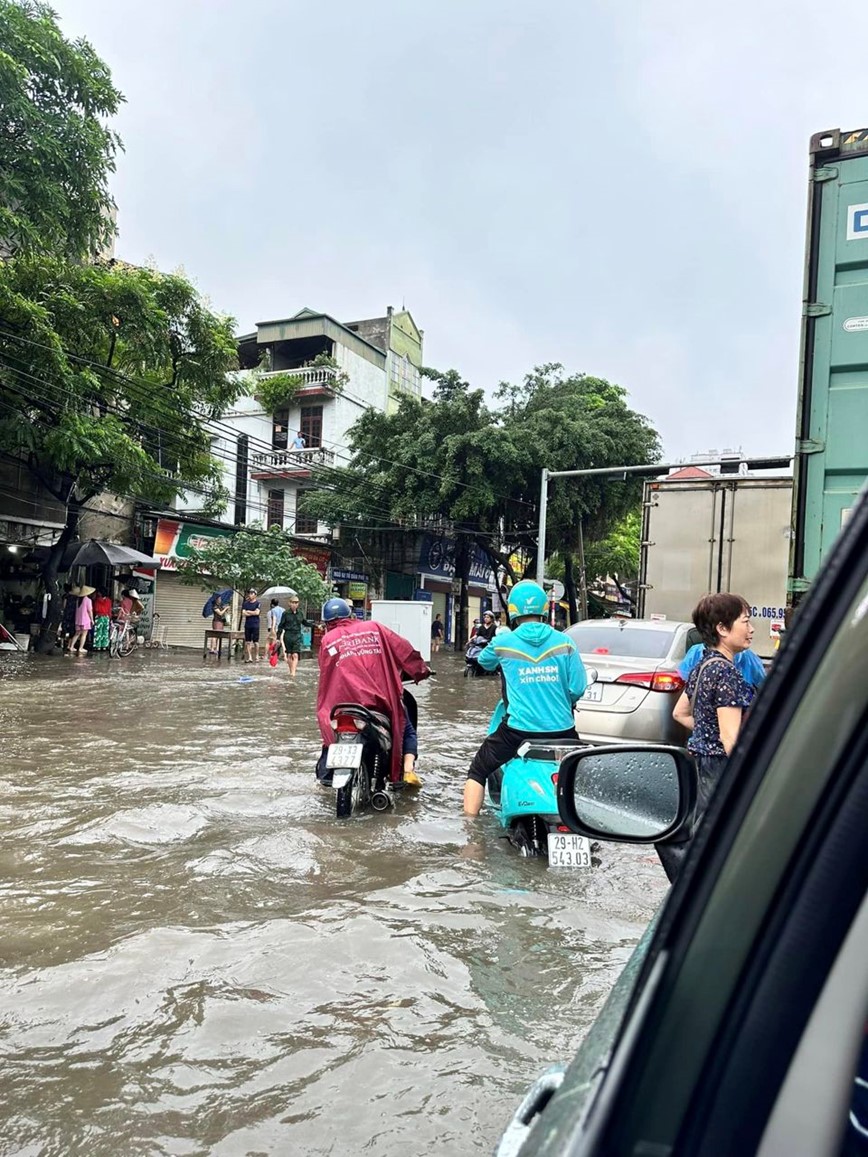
(555, 779)
(668, 681)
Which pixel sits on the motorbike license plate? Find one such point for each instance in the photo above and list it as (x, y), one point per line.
(594, 694)
(344, 755)
(569, 851)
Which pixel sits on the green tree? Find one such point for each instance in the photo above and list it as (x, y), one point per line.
(617, 555)
(108, 376)
(446, 464)
(577, 422)
(56, 152)
(256, 558)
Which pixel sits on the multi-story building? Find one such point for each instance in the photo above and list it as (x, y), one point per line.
(373, 362)
(359, 365)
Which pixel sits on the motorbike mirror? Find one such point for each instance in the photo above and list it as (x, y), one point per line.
(629, 794)
(592, 675)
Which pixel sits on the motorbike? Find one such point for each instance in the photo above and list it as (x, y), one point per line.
(475, 647)
(523, 796)
(357, 764)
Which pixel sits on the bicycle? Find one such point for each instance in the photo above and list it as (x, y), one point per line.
(124, 638)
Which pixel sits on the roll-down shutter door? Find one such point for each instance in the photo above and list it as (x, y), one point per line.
(180, 610)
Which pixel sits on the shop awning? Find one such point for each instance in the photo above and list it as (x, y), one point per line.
(96, 553)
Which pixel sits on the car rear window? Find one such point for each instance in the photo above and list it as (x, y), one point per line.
(638, 643)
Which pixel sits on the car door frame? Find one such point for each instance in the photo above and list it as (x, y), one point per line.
(642, 1103)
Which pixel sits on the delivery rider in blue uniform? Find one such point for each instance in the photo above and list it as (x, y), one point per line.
(543, 678)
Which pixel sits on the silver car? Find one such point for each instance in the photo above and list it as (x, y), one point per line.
(637, 684)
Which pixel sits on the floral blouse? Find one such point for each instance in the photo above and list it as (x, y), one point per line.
(719, 685)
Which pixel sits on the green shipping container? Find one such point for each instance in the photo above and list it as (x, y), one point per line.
(831, 462)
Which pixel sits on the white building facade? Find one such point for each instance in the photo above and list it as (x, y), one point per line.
(266, 475)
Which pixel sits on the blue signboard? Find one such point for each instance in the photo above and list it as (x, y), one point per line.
(437, 558)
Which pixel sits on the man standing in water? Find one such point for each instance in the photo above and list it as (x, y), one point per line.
(251, 610)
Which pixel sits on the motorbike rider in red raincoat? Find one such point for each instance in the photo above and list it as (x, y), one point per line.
(365, 662)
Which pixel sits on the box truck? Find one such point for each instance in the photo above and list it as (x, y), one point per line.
(722, 533)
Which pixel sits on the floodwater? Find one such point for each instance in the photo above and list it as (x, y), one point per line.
(197, 958)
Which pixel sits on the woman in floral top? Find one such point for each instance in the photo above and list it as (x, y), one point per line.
(713, 702)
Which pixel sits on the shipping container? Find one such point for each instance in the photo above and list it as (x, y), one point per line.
(831, 462)
(720, 534)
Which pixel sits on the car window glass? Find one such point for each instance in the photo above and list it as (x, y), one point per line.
(592, 638)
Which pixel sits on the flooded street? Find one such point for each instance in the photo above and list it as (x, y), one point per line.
(197, 958)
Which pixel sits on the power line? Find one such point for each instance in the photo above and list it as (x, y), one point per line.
(140, 382)
(327, 472)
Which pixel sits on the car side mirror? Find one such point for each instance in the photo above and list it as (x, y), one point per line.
(630, 794)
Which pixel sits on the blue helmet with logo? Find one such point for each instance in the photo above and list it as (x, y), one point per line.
(336, 609)
(526, 598)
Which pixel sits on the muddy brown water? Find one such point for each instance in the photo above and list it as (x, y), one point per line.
(197, 958)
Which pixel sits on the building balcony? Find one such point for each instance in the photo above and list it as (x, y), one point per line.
(289, 463)
(316, 381)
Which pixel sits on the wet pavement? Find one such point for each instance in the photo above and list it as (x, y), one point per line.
(197, 958)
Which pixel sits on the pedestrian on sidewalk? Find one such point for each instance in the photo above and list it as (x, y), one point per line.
(83, 620)
(102, 617)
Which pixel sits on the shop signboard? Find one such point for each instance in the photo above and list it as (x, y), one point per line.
(349, 576)
(437, 559)
(357, 591)
(176, 540)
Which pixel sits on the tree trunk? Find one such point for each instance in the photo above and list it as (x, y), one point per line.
(462, 573)
(50, 571)
(570, 587)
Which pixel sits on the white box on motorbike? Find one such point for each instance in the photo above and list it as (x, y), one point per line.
(411, 620)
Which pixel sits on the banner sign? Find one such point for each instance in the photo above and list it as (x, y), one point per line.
(349, 576)
(176, 540)
(437, 558)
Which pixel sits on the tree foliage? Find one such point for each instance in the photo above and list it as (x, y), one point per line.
(445, 466)
(474, 470)
(253, 557)
(618, 553)
(107, 376)
(56, 152)
(580, 422)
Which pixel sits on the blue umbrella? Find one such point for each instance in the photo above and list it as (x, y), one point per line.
(224, 596)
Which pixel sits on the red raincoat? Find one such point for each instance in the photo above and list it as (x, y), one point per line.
(363, 663)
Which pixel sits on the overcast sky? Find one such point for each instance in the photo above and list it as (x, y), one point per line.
(618, 186)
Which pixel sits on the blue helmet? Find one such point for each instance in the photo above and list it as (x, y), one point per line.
(336, 609)
(527, 598)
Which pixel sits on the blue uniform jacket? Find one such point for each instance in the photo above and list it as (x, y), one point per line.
(543, 676)
(748, 665)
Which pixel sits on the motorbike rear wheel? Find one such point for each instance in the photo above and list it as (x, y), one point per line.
(354, 795)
